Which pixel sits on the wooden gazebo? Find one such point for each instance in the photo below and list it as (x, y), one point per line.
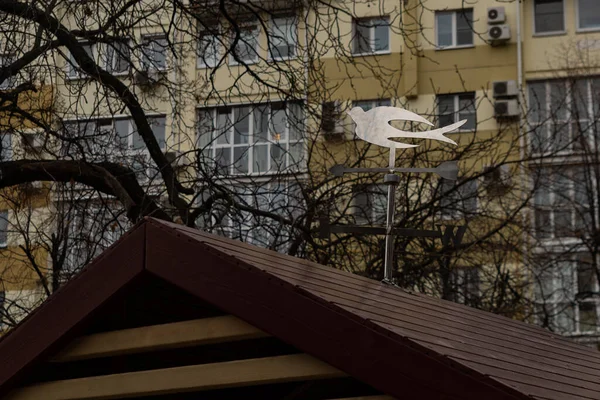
(174, 313)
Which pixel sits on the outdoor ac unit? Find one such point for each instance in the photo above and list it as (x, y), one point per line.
(496, 15)
(33, 141)
(505, 89)
(498, 33)
(176, 159)
(506, 108)
(331, 121)
(146, 78)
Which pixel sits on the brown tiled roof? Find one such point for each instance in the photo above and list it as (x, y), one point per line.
(404, 344)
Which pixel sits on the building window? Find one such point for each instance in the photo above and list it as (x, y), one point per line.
(562, 202)
(283, 37)
(456, 107)
(454, 28)
(246, 47)
(369, 204)
(260, 139)
(464, 283)
(5, 146)
(116, 57)
(5, 61)
(154, 53)
(564, 295)
(3, 228)
(459, 199)
(121, 137)
(73, 71)
(91, 229)
(369, 104)
(371, 35)
(209, 48)
(562, 115)
(549, 16)
(588, 14)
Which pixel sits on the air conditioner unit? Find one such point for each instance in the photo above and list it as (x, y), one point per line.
(496, 15)
(506, 108)
(505, 89)
(177, 159)
(498, 33)
(331, 121)
(147, 78)
(33, 142)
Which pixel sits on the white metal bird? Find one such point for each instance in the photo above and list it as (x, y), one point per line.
(374, 126)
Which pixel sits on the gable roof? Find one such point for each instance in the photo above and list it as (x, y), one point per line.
(403, 344)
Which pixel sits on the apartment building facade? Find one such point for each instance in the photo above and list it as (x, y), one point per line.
(256, 94)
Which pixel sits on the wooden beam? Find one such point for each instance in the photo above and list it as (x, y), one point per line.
(157, 337)
(180, 379)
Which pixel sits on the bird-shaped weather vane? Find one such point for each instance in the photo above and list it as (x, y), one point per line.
(373, 126)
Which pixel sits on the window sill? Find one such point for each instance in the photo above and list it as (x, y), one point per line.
(375, 53)
(546, 34)
(233, 63)
(465, 46)
(587, 30)
(205, 66)
(278, 59)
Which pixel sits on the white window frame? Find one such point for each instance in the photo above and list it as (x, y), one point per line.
(9, 83)
(456, 200)
(461, 292)
(145, 41)
(374, 194)
(371, 36)
(551, 208)
(255, 28)
(549, 33)
(73, 72)
(549, 121)
(242, 225)
(454, 30)
(213, 146)
(104, 50)
(5, 215)
(214, 35)
(577, 20)
(129, 152)
(457, 112)
(556, 301)
(272, 33)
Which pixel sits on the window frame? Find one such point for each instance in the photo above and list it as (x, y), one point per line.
(456, 111)
(73, 71)
(4, 215)
(454, 14)
(255, 26)
(551, 209)
(214, 34)
(153, 38)
(130, 152)
(454, 194)
(10, 82)
(272, 27)
(548, 33)
(557, 302)
(213, 146)
(578, 21)
(103, 52)
(548, 123)
(368, 214)
(371, 36)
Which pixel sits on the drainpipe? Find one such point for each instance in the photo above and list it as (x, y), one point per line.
(522, 142)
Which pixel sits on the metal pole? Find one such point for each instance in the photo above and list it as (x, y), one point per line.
(392, 180)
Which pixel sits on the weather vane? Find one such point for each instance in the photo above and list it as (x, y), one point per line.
(374, 127)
